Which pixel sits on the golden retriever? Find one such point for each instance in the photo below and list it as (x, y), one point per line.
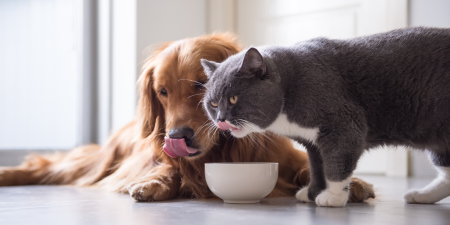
(133, 161)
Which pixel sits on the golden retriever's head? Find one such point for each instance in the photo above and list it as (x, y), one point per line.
(171, 88)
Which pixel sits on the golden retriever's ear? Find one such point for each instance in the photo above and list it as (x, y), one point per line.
(149, 109)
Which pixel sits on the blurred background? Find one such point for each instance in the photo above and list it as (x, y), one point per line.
(68, 68)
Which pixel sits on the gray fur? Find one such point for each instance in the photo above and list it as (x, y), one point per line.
(384, 89)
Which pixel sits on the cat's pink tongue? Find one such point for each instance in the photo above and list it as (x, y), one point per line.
(177, 147)
(225, 126)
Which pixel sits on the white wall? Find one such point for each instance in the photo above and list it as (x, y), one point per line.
(46, 99)
(136, 25)
(39, 76)
(168, 20)
(432, 13)
(123, 67)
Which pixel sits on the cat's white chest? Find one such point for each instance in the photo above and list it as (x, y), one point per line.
(282, 126)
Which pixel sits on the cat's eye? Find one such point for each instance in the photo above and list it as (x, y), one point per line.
(214, 104)
(233, 100)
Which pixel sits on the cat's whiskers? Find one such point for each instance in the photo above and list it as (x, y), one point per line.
(263, 114)
(240, 123)
(256, 138)
(210, 132)
(259, 140)
(196, 95)
(210, 127)
(199, 83)
(201, 127)
(253, 138)
(262, 133)
(249, 136)
(207, 129)
(267, 137)
(259, 118)
(201, 101)
(214, 129)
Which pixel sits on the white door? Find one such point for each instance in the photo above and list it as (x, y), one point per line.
(284, 22)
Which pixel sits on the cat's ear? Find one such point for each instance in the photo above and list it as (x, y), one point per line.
(209, 67)
(253, 64)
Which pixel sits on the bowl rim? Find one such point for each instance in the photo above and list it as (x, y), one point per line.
(242, 163)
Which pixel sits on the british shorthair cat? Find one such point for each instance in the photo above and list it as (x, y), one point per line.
(339, 98)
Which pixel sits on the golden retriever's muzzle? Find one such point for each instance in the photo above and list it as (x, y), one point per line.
(179, 143)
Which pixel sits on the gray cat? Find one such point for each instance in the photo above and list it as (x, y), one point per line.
(339, 98)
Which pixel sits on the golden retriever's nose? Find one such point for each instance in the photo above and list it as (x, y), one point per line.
(184, 132)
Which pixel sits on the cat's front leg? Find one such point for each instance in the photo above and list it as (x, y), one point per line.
(340, 151)
(317, 179)
(336, 194)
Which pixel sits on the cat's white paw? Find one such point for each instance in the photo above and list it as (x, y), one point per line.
(336, 194)
(329, 199)
(417, 196)
(437, 190)
(302, 195)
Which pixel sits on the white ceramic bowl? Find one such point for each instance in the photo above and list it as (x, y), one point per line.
(241, 182)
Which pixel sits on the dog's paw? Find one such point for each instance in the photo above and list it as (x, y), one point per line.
(327, 198)
(417, 196)
(302, 195)
(360, 190)
(149, 191)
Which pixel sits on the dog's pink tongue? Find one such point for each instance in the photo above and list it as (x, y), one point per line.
(177, 147)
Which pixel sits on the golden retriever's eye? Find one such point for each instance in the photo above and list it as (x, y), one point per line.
(214, 104)
(163, 92)
(233, 100)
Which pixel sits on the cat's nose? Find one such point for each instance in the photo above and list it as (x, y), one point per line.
(221, 116)
(184, 132)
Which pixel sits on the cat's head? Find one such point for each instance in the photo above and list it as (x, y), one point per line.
(243, 93)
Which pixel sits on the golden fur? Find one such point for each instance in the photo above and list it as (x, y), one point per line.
(132, 160)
